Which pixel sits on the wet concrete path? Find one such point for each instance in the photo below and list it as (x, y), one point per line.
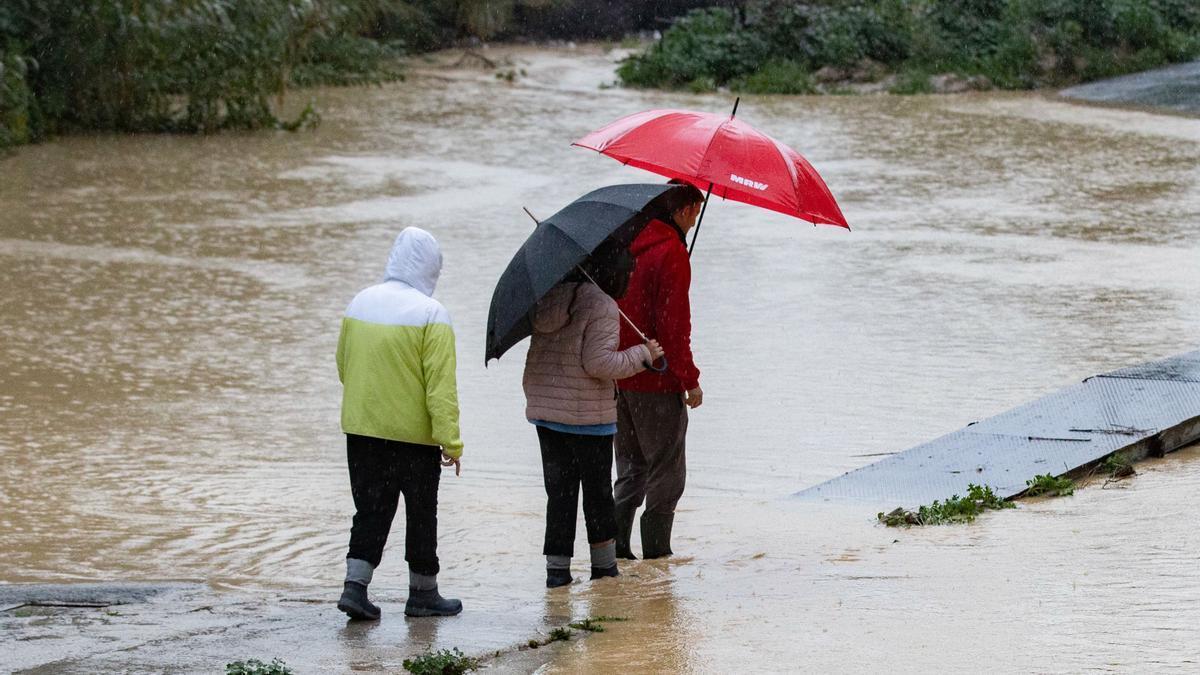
(1148, 409)
(1175, 88)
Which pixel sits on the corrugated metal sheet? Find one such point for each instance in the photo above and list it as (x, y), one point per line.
(1131, 408)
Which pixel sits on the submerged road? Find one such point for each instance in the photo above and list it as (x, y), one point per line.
(1175, 87)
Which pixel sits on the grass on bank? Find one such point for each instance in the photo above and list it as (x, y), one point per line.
(776, 46)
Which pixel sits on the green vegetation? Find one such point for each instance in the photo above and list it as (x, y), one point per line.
(1049, 485)
(589, 624)
(560, 635)
(954, 510)
(256, 667)
(198, 66)
(1118, 465)
(445, 662)
(1013, 44)
(179, 66)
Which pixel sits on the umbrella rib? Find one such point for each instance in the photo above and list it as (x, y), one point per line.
(589, 278)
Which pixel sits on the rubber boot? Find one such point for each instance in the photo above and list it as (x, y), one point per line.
(656, 534)
(355, 604)
(557, 578)
(625, 516)
(602, 572)
(430, 603)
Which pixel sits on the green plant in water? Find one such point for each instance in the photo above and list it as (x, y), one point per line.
(256, 667)
(1049, 485)
(954, 510)
(445, 662)
(591, 625)
(1118, 465)
(561, 634)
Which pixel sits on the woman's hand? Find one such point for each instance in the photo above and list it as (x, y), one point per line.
(656, 350)
(455, 462)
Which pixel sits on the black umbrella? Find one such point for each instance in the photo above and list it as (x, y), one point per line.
(616, 214)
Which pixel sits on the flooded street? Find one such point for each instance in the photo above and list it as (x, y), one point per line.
(169, 399)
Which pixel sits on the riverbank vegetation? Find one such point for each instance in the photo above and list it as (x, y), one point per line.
(915, 46)
(197, 66)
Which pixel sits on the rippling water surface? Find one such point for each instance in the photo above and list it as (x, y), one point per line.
(170, 403)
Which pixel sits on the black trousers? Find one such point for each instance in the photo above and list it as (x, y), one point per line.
(569, 461)
(380, 471)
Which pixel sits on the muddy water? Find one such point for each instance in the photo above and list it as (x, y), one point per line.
(170, 404)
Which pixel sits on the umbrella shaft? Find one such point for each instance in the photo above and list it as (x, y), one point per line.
(589, 278)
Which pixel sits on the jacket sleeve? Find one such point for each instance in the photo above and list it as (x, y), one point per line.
(441, 384)
(341, 353)
(602, 358)
(675, 317)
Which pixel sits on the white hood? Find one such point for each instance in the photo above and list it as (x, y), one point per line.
(416, 259)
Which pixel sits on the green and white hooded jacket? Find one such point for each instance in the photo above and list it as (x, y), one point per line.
(395, 355)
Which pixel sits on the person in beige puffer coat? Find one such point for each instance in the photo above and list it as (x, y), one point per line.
(570, 392)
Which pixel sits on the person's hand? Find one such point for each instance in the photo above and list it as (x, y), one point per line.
(455, 462)
(656, 350)
(694, 398)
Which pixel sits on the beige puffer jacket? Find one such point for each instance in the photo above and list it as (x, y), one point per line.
(573, 358)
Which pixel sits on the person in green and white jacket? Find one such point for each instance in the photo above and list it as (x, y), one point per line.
(396, 361)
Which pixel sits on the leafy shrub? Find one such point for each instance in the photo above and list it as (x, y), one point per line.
(777, 77)
(707, 43)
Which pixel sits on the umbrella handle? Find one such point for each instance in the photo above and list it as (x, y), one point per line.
(656, 369)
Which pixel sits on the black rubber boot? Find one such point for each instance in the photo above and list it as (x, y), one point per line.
(355, 604)
(656, 534)
(625, 516)
(556, 578)
(430, 603)
(602, 572)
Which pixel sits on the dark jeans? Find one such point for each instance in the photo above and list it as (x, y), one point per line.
(380, 471)
(568, 461)
(651, 462)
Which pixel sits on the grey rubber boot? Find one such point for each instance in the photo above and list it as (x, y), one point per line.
(625, 516)
(355, 604)
(430, 603)
(656, 534)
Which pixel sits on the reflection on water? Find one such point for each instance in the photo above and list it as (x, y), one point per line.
(169, 400)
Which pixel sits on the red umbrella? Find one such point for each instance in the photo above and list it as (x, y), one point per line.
(722, 155)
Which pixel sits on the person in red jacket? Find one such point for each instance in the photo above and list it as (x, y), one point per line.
(652, 406)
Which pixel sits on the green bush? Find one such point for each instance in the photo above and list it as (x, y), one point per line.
(777, 77)
(707, 43)
(1018, 44)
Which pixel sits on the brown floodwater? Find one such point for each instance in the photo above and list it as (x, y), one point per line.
(169, 401)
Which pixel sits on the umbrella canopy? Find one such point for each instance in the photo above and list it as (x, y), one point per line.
(613, 214)
(722, 154)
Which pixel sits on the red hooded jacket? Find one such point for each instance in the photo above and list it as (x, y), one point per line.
(657, 301)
